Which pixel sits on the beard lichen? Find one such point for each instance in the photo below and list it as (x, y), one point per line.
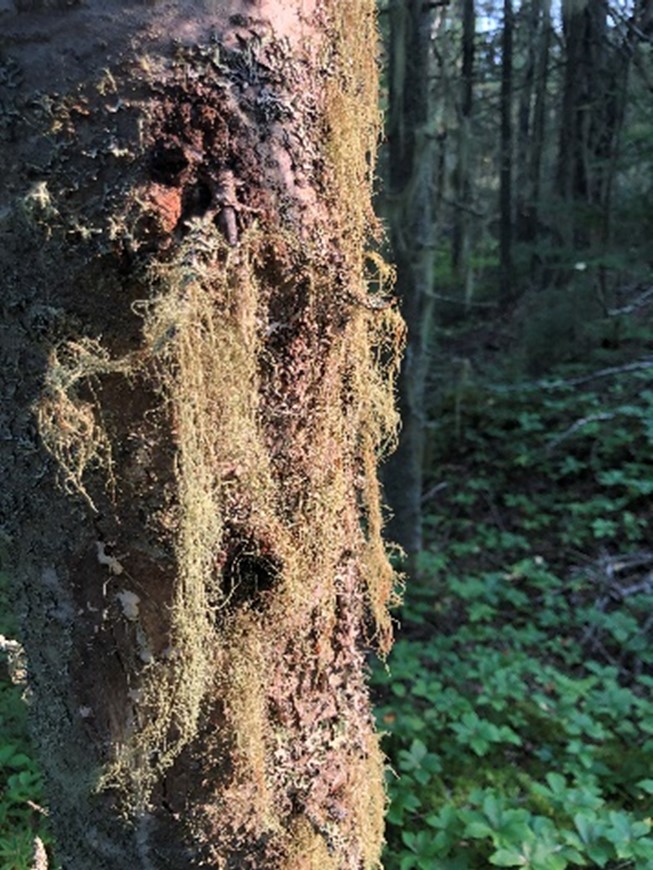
(70, 426)
(274, 350)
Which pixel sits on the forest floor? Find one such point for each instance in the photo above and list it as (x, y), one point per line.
(517, 699)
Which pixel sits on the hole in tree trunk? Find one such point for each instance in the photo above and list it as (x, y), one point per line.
(195, 202)
(248, 575)
(167, 162)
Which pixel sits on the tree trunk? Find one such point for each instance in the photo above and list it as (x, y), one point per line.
(597, 64)
(460, 250)
(411, 159)
(531, 14)
(579, 162)
(191, 352)
(505, 192)
(613, 107)
(539, 128)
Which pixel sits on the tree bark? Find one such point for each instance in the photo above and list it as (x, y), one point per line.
(198, 383)
(506, 168)
(580, 164)
(597, 64)
(539, 126)
(460, 248)
(409, 206)
(530, 14)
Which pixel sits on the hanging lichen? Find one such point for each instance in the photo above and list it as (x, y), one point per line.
(270, 338)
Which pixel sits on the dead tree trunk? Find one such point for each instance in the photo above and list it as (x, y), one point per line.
(199, 382)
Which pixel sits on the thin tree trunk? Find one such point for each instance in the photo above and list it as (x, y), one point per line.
(572, 88)
(198, 384)
(531, 17)
(505, 194)
(460, 257)
(409, 202)
(539, 123)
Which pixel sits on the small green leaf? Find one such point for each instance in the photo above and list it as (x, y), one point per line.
(507, 858)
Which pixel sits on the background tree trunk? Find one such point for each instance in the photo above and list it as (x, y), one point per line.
(460, 249)
(505, 191)
(409, 205)
(538, 137)
(529, 18)
(582, 128)
(597, 65)
(191, 352)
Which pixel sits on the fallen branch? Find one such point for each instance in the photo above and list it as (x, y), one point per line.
(642, 300)
(434, 490)
(466, 302)
(617, 579)
(638, 365)
(584, 421)
(646, 586)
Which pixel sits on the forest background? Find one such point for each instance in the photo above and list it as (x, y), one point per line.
(516, 190)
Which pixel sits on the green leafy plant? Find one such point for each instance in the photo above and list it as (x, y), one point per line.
(22, 816)
(517, 702)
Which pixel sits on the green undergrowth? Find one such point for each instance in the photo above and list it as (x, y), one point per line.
(517, 702)
(22, 817)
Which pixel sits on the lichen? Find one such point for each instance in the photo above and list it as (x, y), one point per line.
(274, 349)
